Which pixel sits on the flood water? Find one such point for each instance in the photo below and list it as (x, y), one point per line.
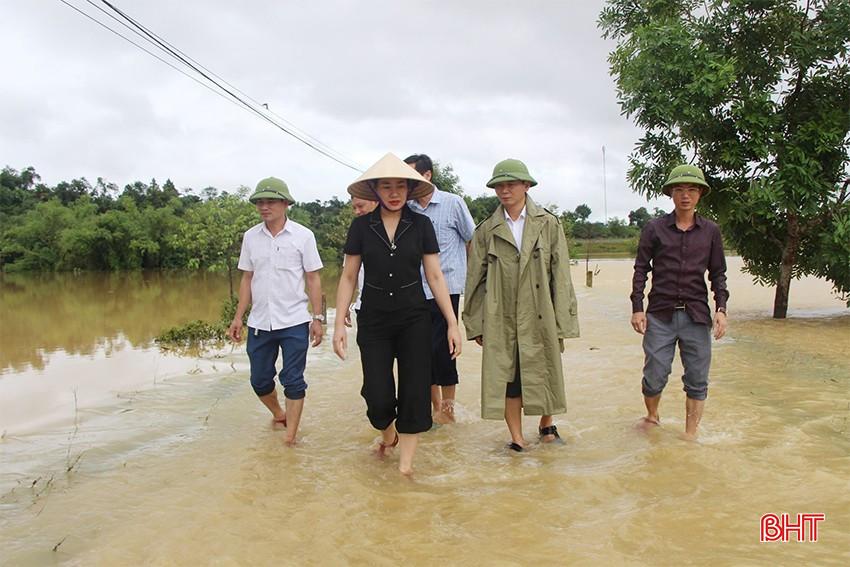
(167, 459)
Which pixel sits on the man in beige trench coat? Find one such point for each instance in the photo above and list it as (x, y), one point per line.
(520, 305)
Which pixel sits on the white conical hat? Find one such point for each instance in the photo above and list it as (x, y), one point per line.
(389, 167)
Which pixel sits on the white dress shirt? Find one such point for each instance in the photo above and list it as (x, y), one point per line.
(278, 298)
(516, 227)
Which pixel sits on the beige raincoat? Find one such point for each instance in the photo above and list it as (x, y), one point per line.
(522, 304)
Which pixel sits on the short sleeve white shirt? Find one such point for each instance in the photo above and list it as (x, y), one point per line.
(279, 262)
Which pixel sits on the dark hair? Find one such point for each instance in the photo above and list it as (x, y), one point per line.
(411, 184)
(421, 163)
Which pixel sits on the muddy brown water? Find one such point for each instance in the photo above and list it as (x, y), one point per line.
(172, 461)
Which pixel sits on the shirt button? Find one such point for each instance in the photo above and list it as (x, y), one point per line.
(391, 275)
(391, 293)
(391, 254)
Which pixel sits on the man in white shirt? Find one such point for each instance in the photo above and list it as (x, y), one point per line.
(278, 256)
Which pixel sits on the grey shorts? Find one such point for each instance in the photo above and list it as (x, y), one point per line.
(659, 346)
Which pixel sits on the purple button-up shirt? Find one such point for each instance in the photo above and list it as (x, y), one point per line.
(678, 260)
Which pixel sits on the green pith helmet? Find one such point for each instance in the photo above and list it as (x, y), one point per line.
(272, 188)
(685, 174)
(510, 170)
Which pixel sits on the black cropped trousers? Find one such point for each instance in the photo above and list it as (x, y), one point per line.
(386, 336)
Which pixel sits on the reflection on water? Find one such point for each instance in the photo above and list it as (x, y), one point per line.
(189, 472)
(101, 312)
(85, 313)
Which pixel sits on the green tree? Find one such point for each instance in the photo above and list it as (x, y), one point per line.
(582, 212)
(482, 206)
(639, 217)
(757, 93)
(445, 178)
(212, 233)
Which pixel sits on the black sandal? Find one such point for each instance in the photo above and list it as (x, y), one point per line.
(550, 430)
(515, 447)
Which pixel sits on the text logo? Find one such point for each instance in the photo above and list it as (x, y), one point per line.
(780, 528)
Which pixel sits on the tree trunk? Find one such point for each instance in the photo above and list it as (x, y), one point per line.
(230, 278)
(786, 268)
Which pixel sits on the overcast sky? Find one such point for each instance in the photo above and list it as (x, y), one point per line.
(469, 83)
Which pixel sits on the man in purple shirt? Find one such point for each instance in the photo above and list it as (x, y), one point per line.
(678, 249)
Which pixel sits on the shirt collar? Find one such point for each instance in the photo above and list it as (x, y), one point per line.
(519, 218)
(671, 219)
(286, 228)
(436, 198)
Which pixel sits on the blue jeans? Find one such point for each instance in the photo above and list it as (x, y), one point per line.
(262, 349)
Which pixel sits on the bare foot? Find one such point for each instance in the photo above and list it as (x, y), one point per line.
(290, 442)
(442, 419)
(406, 472)
(647, 423)
(685, 436)
(447, 408)
(384, 448)
(279, 422)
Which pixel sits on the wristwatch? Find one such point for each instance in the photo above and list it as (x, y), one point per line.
(721, 310)
(319, 317)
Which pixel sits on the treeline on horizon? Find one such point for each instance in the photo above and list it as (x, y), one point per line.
(77, 225)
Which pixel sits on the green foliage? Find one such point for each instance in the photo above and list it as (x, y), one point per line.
(757, 93)
(482, 206)
(445, 178)
(210, 236)
(639, 217)
(198, 333)
(329, 221)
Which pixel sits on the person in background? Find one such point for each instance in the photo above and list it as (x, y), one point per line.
(454, 227)
(360, 207)
(679, 249)
(278, 256)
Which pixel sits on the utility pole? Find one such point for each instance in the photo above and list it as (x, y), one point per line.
(604, 186)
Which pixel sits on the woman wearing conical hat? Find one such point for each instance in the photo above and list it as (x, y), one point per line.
(394, 322)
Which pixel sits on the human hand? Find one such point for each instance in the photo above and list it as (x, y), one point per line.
(234, 331)
(317, 331)
(340, 341)
(453, 336)
(719, 325)
(639, 322)
(347, 319)
(480, 340)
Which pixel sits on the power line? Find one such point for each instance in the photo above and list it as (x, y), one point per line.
(148, 52)
(151, 38)
(159, 44)
(186, 61)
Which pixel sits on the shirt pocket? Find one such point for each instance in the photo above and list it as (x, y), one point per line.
(287, 258)
(261, 260)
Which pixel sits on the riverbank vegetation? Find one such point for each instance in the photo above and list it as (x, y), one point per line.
(79, 225)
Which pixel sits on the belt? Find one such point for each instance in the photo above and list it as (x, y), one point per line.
(679, 306)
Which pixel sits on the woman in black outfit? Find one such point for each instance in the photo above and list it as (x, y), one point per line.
(394, 321)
